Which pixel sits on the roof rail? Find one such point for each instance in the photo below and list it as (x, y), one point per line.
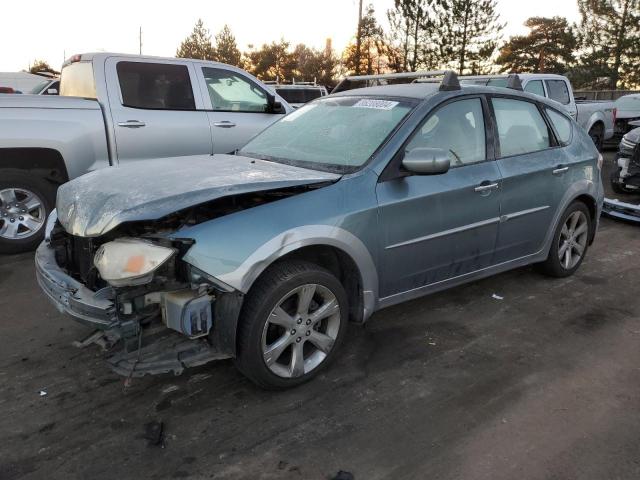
(514, 83)
(449, 80)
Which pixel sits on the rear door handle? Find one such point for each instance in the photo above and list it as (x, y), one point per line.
(224, 124)
(131, 124)
(485, 187)
(560, 170)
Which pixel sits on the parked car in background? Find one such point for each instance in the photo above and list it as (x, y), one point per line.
(50, 86)
(596, 117)
(299, 94)
(358, 201)
(626, 178)
(114, 109)
(628, 110)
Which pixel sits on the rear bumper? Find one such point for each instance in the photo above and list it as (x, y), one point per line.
(94, 309)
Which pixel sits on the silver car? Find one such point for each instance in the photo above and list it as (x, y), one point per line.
(354, 202)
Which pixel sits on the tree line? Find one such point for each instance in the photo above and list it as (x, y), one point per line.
(601, 50)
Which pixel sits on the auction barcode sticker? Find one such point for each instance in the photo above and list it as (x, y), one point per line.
(377, 104)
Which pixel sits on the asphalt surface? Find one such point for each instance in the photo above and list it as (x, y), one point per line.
(543, 383)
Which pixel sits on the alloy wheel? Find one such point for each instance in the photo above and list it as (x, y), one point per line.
(573, 239)
(301, 331)
(22, 213)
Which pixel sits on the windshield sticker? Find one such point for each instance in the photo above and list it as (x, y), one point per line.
(377, 104)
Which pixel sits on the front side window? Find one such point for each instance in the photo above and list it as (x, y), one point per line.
(521, 128)
(230, 92)
(333, 134)
(155, 86)
(558, 91)
(458, 129)
(562, 124)
(535, 87)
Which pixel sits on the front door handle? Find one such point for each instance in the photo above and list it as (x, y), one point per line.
(486, 187)
(131, 124)
(224, 124)
(560, 170)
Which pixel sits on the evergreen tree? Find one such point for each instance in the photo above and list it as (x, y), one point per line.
(198, 44)
(372, 55)
(226, 49)
(469, 35)
(42, 66)
(548, 48)
(610, 34)
(272, 61)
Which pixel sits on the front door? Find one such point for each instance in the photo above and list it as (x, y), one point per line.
(437, 227)
(238, 109)
(154, 110)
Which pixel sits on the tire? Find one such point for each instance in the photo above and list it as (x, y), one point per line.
(28, 200)
(567, 239)
(616, 185)
(597, 135)
(269, 339)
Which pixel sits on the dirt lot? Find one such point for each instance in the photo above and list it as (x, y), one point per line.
(543, 384)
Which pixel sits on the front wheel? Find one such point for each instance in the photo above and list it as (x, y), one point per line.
(293, 321)
(570, 242)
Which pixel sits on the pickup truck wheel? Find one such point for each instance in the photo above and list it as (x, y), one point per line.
(292, 323)
(570, 242)
(25, 203)
(597, 135)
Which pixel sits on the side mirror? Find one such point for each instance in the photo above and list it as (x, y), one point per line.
(273, 105)
(426, 161)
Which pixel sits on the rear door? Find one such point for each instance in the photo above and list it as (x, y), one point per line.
(237, 107)
(154, 110)
(533, 169)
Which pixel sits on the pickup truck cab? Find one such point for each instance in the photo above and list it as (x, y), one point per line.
(115, 109)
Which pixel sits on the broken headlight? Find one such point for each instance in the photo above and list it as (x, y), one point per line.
(129, 261)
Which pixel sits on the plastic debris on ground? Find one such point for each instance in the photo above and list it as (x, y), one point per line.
(497, 297)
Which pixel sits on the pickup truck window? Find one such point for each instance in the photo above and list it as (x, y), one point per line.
(456, 128)
(535, 87)
(231, 92)
(521, 127)
(562, 125)
(76, 80)
(155, 86)
(558, 91)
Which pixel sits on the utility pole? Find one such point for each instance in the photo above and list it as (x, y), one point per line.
(359, 39)
(140, 39)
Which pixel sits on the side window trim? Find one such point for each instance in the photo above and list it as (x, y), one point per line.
(553, 139)
(203, 82)
(394, 170)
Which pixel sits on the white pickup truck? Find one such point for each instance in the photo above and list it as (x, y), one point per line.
(115, 109)
(596, 117)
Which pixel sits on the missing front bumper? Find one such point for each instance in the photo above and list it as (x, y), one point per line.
(621, 210)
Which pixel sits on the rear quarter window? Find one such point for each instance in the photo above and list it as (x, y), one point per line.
(76, 80)
(562, 125)
(558, 91)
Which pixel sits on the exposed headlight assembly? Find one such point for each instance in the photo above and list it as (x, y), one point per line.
(130, 261)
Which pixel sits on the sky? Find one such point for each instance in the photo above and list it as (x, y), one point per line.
(34, 30)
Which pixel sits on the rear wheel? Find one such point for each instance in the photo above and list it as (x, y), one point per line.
(570, 242)
(25, 203)
(597, 135)
(293, 321)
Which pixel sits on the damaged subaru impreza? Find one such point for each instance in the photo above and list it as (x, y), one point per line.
(354, 202)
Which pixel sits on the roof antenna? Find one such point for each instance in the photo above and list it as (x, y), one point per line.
(450, 82)
(513, 82)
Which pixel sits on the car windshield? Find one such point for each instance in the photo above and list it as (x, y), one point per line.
(628, 103)
(337, 134)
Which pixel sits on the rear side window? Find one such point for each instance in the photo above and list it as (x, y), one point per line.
(76, 80)
(521, 128)
(562, 125)
(155, 86)
(458, 129)
(535, 87)
(558, 91)
(299, 95)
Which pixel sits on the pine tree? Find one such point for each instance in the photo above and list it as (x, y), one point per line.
(548, 48)
(610, 34)
(272, 61)
(372, 56)
(198, 44)
(226, 49)
(470, 33)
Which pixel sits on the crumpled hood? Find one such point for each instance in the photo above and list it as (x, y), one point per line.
(97, 202)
